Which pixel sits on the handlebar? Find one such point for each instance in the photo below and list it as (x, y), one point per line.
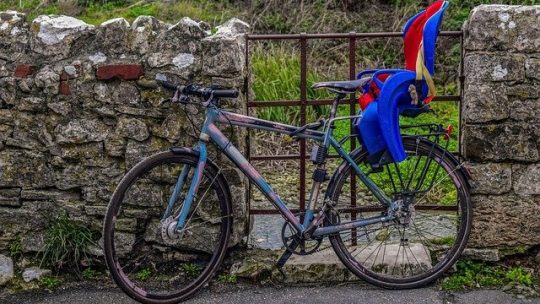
(196, 90)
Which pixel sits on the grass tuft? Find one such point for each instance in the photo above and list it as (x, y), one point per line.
(66, 243)
(228, 278)
(49, 282)
(471, 274)
(15, 249)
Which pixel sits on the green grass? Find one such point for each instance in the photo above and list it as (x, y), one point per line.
(143, 274)
(227, 278)
(96, 12)
(471, 274)
(277, 77)
(66, 243)
(519, 276)
(89, 273)
(49, 282)
(15, 249)
(191, 269)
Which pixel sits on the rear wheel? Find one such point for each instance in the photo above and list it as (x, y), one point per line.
(146, 257)
(432, 225)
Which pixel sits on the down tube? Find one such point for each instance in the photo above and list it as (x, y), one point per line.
(242, 163)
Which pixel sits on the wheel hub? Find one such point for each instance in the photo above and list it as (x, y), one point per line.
(404, 212)
(169, 234)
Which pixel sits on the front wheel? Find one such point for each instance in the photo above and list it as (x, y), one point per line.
(148, 258)
(432, 223)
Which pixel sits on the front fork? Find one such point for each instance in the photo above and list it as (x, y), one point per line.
(193, 188)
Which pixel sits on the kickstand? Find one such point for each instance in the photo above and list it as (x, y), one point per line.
(283, 259)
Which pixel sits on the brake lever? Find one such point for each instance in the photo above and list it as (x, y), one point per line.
(177, 98)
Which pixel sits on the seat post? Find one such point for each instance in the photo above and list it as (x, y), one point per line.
(335, 104)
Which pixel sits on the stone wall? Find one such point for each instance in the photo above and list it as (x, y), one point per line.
(78, 107)
(501, 124)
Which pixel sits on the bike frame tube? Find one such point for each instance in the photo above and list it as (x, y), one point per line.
(177, 188)
(211, 132)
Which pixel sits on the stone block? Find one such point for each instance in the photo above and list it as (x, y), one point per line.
(233, 27)
(525, 110)
(526, 179)
(532, 68)
(10, 197)
(48, 195)
(527, 90)
(8, 87)
(490, 178)
(507, 220)
(132, 128)
(224, 54)
(13, 35)
(6, 270)
(54, 36)
(113, 35)
(485, 102)
(48, 80)
(35, 273)
(503, 27)
(494, 67)
(501, 142)
(25, 169)
(143, 33)
(486, 254)
(81, 131)
(31, 104)
(136, 151)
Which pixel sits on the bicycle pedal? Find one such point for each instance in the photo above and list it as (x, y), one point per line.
(283, 275)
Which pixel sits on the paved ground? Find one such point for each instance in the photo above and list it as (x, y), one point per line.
(249, 294)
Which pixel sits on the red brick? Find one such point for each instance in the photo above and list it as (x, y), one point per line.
(64, 76)
(64, 88)
(122, 71)
(24, 70)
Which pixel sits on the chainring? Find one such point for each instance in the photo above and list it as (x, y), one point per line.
(305, 246)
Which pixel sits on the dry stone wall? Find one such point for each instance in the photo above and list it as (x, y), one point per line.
(79, 107)
(501, 124)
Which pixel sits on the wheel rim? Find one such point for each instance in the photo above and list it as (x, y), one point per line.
(146, 259)
(427, 236)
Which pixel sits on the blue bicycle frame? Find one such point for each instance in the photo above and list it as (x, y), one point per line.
(210, 132)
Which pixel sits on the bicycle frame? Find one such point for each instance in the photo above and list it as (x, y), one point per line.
(210, 132)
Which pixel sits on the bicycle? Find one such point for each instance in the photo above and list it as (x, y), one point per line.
(162, 244)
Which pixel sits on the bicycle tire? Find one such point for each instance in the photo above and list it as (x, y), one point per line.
(112, 259)
(369, 273)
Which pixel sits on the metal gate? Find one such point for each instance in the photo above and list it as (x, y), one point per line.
(303, 102)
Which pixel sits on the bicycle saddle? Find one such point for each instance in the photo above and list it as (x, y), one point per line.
(350, 86)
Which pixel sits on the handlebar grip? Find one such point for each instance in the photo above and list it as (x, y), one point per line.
(226, 93)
